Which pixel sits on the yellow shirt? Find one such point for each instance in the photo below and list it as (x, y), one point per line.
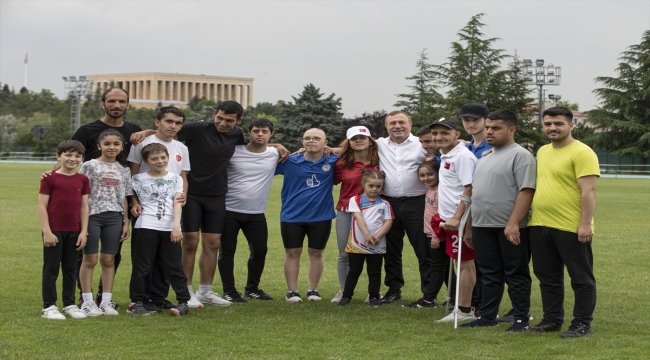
(556, 203)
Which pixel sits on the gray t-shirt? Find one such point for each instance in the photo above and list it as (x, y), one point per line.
(498, 179)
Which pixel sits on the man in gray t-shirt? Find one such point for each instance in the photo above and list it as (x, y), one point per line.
(500, 210)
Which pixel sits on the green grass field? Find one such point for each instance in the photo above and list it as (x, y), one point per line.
(321, 330)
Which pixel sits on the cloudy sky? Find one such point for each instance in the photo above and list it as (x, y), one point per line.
(360, 50)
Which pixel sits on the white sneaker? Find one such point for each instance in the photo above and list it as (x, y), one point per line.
(368, 298)
(91, 309)
(461, 316)
(337, 297)
(106, 307)
(74, 312)
(212, 298)
(194, 303)
(52, 313)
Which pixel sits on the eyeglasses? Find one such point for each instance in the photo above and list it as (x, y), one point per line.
(311, 139)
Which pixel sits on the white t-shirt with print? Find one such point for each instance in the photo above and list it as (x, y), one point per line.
(110, 183)
(179, 157)
(456, 171)
(156, 195)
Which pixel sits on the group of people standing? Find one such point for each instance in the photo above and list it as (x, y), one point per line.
(209, 184)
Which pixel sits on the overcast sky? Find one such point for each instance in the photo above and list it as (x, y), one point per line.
(359, 50)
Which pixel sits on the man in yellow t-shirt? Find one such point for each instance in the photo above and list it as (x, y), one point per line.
(561, 225)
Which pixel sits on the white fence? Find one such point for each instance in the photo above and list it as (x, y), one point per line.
(27, 156)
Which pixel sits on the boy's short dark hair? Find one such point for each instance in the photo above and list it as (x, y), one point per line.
(423, 131)
(508, 117)
(72, 146)
(169, 110)
(261, 123)
(151, 149)
(231, 107)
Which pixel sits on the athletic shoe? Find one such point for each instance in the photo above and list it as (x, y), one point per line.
(258, 294)
(293, 297)
(108, 309)
(52, 313)
(180, 309)
(113, 305)
(74, 312)
(391, 297)
(543, 327)
(375, 301)
(461, 316)
(313, 295)
(480, 323)
(163, 304)
(420, 304)
(337, 297)
(91, 309)
(137, 309)
(518, 326)
(344, 301)
(151, 307)
(212, 298)
(194, 303)
(509, 317)
(234, 296)
(98, 301)
(576, 331)
(367, 300)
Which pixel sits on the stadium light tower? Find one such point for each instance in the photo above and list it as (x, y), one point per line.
(76, 89)
(541, 75)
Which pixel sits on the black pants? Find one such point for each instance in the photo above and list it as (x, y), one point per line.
(501, 262)
(151, 243)
(408, 219)
(256, 231)
(63, 255)
(439, 267)
(552, 250)
(373, 268)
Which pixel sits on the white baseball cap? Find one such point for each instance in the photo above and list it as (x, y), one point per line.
(357, 130)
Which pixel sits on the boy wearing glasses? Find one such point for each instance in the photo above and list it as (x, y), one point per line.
(307, 209)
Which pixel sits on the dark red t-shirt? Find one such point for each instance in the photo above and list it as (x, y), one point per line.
(64, 206)
(350, 180)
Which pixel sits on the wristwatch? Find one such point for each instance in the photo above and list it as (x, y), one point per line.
(126, 220)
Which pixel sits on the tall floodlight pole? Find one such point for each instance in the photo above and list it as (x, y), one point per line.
(76, 89)
(540, 75)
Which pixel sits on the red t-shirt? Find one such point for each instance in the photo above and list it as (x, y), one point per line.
(350, 180)
(64, 206)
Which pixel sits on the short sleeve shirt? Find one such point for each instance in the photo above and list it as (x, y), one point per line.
(456, 171)
(374, 213)
(88, 134)
(64, 205)
(400, 163)
(179, 158)
(249, 179)
(156, 195)
(479, 150)
(210, 151)
(110, 184)
(350, 180)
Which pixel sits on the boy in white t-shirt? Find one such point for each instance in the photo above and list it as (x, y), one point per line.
(159, 230)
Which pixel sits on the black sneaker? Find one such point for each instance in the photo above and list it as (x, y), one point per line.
(391, 297)
(344, 301)
(374, 301)
(543, 327)
(234, 297)
(509, 317)
(151, 307)
(480, 323)
(518, 326)
(293, 297)
(180, 309)
(138, 309)
(258, 294)
(420, 304)
(313, 295)
(576, 331)
(163, 304)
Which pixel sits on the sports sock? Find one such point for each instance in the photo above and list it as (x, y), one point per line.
(465, 309)
(107, 297)
(87, 297)
(205, 288)
(189, 288)
(311, 290)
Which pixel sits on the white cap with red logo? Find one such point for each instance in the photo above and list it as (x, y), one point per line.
(357, 130)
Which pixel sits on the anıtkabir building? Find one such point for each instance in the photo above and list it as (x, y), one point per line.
(150, 88)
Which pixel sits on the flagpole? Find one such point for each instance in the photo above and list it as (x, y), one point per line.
(25, 82)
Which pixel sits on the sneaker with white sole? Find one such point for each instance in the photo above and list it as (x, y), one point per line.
(52, 313)
(91, 309)
(194, 303)
(313, 295)
(258, 294)
(137, 309)
(367, 301)
(293, 297)
(108, 309)
(461, 316)
(337, 297)
(74, 312)
(212, 298)
(180, 310)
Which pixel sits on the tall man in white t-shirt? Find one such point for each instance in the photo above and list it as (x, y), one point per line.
(250, 174)
(169, 121)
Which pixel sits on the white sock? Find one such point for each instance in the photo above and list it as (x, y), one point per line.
(311, 290)
(107, 297)
(205, 288)
(189, 288)
(87, 297)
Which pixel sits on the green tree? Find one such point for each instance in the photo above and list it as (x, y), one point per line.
(424, 101)
(623, 121)
(375, 122)
(568, 104)
(310, 110)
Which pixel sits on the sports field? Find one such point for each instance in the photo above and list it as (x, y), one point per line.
(277, 329)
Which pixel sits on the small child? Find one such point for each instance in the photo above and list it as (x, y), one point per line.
(159, 230)
(63, 214)
(372, 217)
(110, 184)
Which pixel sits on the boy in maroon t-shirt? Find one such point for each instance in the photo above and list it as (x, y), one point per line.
(63, 213)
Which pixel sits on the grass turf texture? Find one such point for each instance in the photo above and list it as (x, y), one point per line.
(277, 329)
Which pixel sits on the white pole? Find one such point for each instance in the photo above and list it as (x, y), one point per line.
(26, 61)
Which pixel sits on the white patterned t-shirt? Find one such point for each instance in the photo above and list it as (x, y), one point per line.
(110, 183)
(156, 195)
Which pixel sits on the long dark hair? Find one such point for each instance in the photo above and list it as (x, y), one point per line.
(346, 154)
(121, 157)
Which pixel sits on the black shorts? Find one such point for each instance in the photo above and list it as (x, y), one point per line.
(293, 234)
(205, 213)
